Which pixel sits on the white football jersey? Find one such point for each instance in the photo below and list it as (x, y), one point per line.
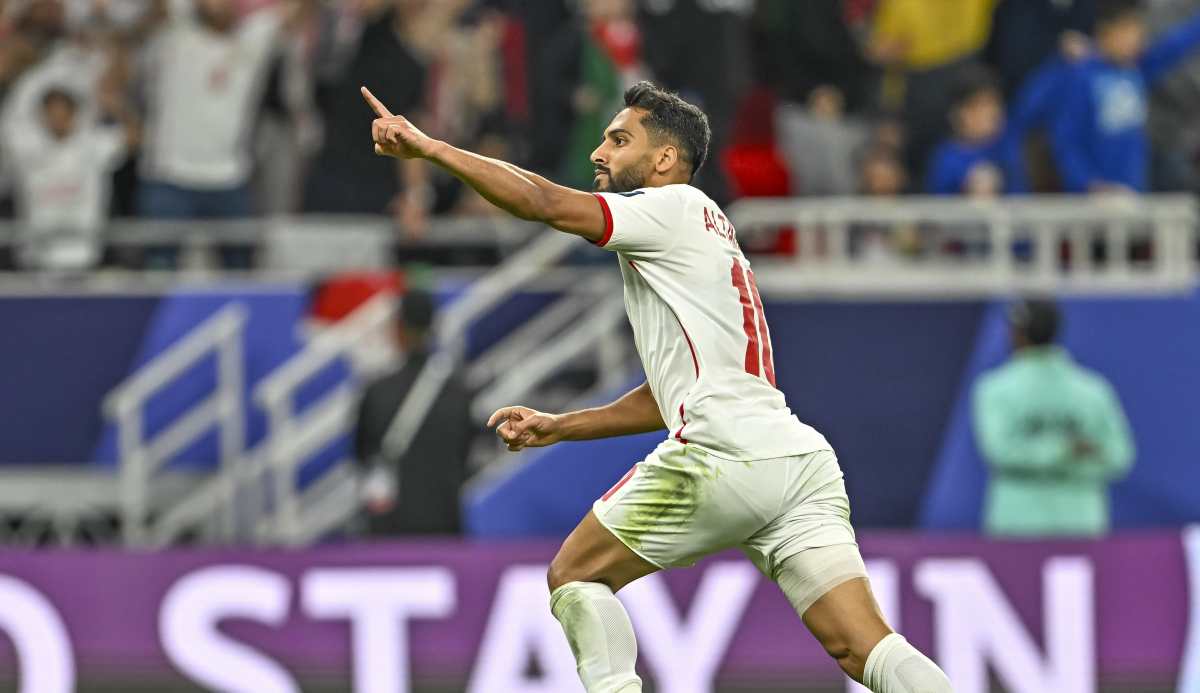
(699, 326)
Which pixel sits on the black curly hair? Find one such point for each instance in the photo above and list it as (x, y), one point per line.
(668, 117)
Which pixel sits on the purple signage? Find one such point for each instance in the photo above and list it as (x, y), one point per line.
(1036, 616)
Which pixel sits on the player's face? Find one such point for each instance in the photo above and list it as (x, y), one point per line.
(625, 159)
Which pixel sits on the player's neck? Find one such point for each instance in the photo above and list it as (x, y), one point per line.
(660, 181)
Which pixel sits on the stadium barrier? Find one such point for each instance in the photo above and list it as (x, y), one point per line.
(954, 246)
(424, 615)
(859, 246)
(305, 245)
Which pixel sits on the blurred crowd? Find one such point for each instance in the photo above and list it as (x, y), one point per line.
(203, 109)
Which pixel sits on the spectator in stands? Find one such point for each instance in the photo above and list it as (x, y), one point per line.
(589, 64)
(466, 56)
(466, 101)
(346, 177)
(204, 75)
(418, 491)
(49, 55)
(1099, 136)
(983, 157)
(882, 173)
(925, 45)
(553, 75)
(36, 54)
(701, 50)
(1052, 433)
(1035, 106)
(287, 134)
(887, 131)
(63, 168)
(819, 143)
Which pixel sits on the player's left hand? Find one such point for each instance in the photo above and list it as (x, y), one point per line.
(394, 135)
(522, 427)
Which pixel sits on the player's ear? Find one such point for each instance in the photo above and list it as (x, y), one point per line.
(668, 157)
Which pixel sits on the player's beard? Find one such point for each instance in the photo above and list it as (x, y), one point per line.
(626, 180)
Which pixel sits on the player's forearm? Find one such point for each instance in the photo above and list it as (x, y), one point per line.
(511, 188)
(635, 412)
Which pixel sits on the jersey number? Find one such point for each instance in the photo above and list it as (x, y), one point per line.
(754, 322)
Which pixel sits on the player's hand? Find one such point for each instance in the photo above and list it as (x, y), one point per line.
(394, 136)
(522, 427)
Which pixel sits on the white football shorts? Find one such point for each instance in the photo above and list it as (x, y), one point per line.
(682, 503)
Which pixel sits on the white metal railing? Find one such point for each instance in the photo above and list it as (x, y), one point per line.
(838, 237)
(294, 436)
(1042, 243)
(296, 245)
(518, 270)
(599, 335)
(260, 494)
(580, 295)
(200, 233)
(142, 457)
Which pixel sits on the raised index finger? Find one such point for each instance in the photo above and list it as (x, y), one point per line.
(380, 110)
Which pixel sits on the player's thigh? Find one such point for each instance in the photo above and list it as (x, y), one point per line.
(681, 504)
(815, 513)
(592, 554)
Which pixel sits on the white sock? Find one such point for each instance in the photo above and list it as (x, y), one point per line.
(894, 666)
(600, 635)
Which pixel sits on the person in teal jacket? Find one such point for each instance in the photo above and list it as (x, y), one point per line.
(1053, 435)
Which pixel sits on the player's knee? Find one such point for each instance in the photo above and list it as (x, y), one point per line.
(848, 658)
(559, 574)
(836, 647)
(849, 651)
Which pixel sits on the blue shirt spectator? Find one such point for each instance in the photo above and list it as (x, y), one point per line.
(1099, 134)
(984, 155)
(959, 167)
